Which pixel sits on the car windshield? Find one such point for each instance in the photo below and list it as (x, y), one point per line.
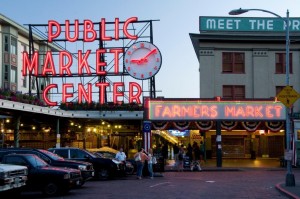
(51, 155)
(91, 154)
(36, 161)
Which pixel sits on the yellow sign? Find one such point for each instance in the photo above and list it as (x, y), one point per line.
(288, 96)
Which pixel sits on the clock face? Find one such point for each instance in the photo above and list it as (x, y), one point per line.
(142, 60)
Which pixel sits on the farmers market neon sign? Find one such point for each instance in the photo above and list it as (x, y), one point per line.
(213, 110)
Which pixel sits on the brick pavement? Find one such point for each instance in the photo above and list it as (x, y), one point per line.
(238, 184)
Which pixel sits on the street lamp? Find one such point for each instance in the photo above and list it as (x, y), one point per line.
(290, 179)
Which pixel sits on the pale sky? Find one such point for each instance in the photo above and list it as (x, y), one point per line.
(179, 76)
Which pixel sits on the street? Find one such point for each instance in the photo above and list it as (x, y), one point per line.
(250, 183)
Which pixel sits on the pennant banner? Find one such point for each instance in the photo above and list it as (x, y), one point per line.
(251, 126)
(274, 126)
(228, 125)
(181, 125)
(159, 125)
(204, 125)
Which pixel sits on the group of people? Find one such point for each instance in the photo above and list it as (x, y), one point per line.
(141, 157)
(195, 154)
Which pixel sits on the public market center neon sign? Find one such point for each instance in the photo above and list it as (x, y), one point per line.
(83, 68)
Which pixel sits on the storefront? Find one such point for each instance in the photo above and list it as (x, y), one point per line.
(230, 129)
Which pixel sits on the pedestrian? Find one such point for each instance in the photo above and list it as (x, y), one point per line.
(140, 158)
(150, 163)
(189, 152)
(165, 152)
(202, 151)
(180, 158)
(176, 151)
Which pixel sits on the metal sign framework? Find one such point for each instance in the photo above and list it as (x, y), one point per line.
(143, 29)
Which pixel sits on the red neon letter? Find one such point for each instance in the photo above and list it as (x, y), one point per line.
(102, 89)
(49, 62)
(65, 66)
(45, 95)
(87, 95)
(103, 31)
(99, 64)
(83, 62)
(89, 28)
(65, 94)
(76, 32)
(117, 28)
(51, 35)
(117, 94)
(125, 28)
(30, 64)
(138, 91)
(116, 52)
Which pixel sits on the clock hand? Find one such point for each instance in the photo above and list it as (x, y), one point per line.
(150, 53)
(145, 59)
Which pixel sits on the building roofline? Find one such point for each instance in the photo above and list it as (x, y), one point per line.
(24, 31)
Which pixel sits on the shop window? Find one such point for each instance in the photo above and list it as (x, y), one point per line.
(280, 63)
(13, 46)
(24, 82)
(13, 75)
(233, 92)
(233, 62)
(6, 72)
(6, 43)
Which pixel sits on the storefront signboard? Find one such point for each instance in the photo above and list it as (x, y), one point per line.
(166, 110)
(211, 23)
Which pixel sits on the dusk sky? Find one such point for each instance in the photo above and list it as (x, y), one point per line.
(179, 76)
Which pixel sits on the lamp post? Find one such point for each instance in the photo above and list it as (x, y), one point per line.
(290, 179)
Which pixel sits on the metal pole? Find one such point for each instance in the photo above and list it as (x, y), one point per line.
(290, 178)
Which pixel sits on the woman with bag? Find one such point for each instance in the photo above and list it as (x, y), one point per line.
(151, 161)
(140, 158)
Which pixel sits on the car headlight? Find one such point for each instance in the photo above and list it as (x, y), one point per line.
(26, 172)
(4, 175)
(67, 176)
(82, 167)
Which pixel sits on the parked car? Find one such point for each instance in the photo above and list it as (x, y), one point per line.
(86, 168)
(108, 152)
(105, 168)
(12, 178)
(43, 177)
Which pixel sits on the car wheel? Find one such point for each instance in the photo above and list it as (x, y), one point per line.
(80, 184)
(129, 171)
(51, 189)
(103, 174)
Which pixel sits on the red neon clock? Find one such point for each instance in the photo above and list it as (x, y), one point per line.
(142, 60)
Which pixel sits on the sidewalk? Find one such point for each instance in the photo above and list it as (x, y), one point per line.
(242, 164)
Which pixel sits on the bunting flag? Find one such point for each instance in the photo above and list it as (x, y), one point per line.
(181, 125)
(274, 126)
(159, 125)
(204, 125)
(228, 125)
(251, 126)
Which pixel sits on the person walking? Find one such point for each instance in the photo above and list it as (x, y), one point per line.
(176, 151)
(180, 158)
(140, 158)
(150, 163)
